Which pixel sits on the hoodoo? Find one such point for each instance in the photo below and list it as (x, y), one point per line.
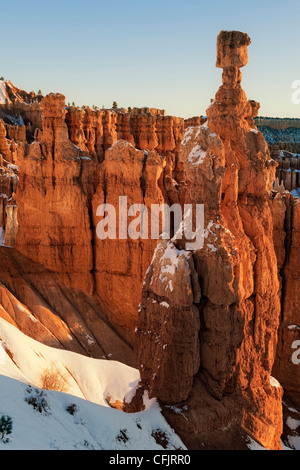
(206, 344)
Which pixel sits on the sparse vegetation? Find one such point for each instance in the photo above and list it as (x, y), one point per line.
(52, 380)
(72, 409)
(37, 399)
(5, 428)
(122, 436)
(160, 438)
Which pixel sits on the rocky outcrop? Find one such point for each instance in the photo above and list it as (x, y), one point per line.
(10, 94)
(194, 121)
(288, 169)
(97, 130)
(229, 171)
(8, 187)
(168, 326)
(60, 178)
(286, 216)
(121, 261)
(278, 123)
(48, 283)
(43, 307)
(51, 190)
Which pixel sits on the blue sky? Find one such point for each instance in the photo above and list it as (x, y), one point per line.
(156, 53)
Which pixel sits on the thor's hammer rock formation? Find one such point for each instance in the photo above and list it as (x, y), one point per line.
(208, 354)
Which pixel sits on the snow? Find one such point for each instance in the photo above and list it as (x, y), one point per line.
(187, 136)
(12, 166)
(15, 119)
(274, 382)
(2, 92)
(2, 236)
(293, 437)
(296, 192)
(94, 425)
(292, 423)
(294, 327)
(253, 445)
(211, 247)
(173, 255)
(169, 264)
(197, 155)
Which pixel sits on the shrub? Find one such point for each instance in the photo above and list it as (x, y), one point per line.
(72, 409)
(37, 399)
(53, 380)
(122, 436)
(5, 427)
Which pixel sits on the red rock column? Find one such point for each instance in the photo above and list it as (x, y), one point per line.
(229, 170)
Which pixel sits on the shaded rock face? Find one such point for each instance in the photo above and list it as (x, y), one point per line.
(9, 151)
(36, 301)
(288, 170)
(168, 326)
(286, 216)
(234, 297)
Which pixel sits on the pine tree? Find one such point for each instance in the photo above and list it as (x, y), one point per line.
(114, 105)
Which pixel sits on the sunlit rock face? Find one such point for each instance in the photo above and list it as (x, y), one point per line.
(286, 218)
(230, 310)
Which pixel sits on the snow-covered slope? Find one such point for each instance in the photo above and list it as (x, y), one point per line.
(78, 417)
(3, 97)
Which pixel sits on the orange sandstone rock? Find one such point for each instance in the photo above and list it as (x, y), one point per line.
(121, 263)
(229, 171)
(286, 216)
(48, 197)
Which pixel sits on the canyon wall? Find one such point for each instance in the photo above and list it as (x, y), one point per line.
(78, 160)
(277, 123)
(286, 216)
(288, 169)
(284, 133)
(204, 321)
